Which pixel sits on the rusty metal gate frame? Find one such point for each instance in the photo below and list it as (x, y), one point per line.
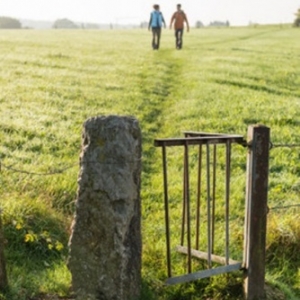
(201, 139)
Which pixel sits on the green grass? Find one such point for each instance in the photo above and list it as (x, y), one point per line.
(222, 81)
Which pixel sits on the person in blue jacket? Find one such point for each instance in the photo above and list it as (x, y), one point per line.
(155, 23)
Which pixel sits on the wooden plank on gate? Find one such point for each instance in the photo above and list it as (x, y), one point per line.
(203, 274)
(256, 211)
(204, 255)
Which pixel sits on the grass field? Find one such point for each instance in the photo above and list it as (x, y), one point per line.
(223, 80)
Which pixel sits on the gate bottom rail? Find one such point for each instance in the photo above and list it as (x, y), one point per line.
(233, 265)
(203, 274)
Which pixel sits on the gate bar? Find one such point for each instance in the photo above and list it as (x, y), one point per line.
(166, 210)
(199, 140)
(187, 201)
(213, 199)
(203, 255)
(227, 188)
(208, 207)
(198, 197)
(203, 274)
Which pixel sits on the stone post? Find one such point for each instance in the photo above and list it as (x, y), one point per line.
(105, 243)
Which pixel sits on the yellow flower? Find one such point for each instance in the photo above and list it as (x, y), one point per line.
(50, 246)
(19, 226)
(59, 246)
(29, 238)
(45, 234)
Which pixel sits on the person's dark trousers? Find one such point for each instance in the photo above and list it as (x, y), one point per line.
(178, 35)
(156, 32)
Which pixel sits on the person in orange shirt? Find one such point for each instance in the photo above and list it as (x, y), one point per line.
(179, 18)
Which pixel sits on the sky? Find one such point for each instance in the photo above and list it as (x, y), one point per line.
(237, 12)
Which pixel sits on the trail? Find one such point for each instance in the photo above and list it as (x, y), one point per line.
(158, 85)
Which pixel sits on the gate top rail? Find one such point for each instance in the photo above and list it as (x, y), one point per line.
(200, 138)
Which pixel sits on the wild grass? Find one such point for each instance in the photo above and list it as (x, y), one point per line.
(222, 81)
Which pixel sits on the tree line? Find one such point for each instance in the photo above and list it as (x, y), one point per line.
(12, 23)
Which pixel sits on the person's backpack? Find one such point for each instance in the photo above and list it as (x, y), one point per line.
(156, 19)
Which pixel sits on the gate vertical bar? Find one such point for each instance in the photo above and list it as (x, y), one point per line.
(198, 197)
(227, 188)
(213, 199)
(183, 201)
(188, 212)
(208, 206)
(256, 212)
(166, 198)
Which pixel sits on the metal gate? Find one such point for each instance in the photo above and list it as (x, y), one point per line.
(256, 195)
(207, 146)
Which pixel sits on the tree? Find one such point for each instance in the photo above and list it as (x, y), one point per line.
(144, 24)
(219, 24)
(297, 20)
(9, 23)
(64, 24)
(199, 24)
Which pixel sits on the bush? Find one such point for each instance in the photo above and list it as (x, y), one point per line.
(297, 20)
(64, 23)
(9, 23)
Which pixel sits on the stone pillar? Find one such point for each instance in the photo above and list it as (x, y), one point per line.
(105, 244)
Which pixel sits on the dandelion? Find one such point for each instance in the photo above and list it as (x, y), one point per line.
(29, 238)
(59, 246)
(19, 226)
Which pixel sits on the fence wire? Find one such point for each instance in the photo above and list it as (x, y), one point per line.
(62, 170)
(58, 171)
(273, 145)
(66, 168)
(284, 207)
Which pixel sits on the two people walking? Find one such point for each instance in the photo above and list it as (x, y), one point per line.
(178, 19)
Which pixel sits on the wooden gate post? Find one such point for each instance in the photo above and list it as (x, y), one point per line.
(256, 212)
(3, 275)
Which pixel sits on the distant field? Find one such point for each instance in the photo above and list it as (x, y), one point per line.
(223, 80)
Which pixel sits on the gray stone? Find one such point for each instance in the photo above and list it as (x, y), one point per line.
(105, 244)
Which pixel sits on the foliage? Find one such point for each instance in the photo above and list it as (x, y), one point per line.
(219, 24)
(222, 81)
(9, 23)
(297, 20)
(64, 24)
(199, 24)
(29, 228)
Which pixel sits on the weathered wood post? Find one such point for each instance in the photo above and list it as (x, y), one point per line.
(256, 212)
(105, 244)
(3, 275)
